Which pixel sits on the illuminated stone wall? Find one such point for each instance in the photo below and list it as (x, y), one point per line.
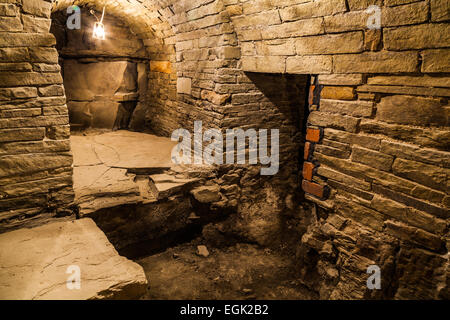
(378, 139)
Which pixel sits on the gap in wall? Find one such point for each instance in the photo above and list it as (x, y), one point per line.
(284, 106)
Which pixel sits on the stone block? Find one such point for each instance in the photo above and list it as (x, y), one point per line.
(333, 152)
(309, 64)
(436, 60)
(277, 47)
(349, 21)
(23, 134)
(325, 119)
(14, 54)
(27, 40)
(35, 25)
(46, 55)
(16, 66)
(376, 62)
(10, 24)
(351, 42)
(366, 141)
(268, 64)
(298, 28)
(363, 4)
(432, 176)
(184, 85)
(372, 158)
(412, 111)
(206, 194)
(413, 152)
(37, 8)
(58, 132)
(17, 93)
(312, 9)
(340, 79)
(343, 178)
(414, 13)
(53, 90)
(20, 113)
(408, 215)
(423, 36)
(439, 10)
(372, 40)
(419, 81)
(161, 66)
(351, 108)
(29, 163)
(86, 81)
(41, 273)
(425, 209)
(414, 235)
(425, 137)
(29, 78)
(8, 10)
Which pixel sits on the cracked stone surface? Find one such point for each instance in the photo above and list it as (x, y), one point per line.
(104, 167)
(41, 273)
(123, 149)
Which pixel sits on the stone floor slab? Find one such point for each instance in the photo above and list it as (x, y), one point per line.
(34, 264)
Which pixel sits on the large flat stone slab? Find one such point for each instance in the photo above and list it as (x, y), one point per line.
(105, 166)
(34, 264)
(123, 149)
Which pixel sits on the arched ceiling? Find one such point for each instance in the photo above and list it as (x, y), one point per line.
(148, 19)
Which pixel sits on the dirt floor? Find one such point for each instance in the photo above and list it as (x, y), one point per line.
(243, 271)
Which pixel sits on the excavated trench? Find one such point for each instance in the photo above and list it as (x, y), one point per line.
(172, 220)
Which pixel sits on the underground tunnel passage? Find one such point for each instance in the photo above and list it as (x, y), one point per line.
(354, 119)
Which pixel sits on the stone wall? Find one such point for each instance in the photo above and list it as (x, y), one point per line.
(378, 138)
(35, 158)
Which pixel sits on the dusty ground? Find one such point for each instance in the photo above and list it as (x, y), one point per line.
(243, 271)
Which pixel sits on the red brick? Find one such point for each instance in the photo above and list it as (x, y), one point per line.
(308, 169)
(315, 189)
(309, 150)
(313, 135)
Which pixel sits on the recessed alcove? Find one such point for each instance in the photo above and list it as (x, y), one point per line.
(104, 80)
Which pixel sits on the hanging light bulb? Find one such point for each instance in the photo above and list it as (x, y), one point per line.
(99, 28)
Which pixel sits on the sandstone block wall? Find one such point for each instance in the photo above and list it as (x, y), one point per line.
(378, 136)
(377, 145)
(35, 158)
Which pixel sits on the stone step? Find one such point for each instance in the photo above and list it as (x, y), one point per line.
(165, 185)
(37, 263)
